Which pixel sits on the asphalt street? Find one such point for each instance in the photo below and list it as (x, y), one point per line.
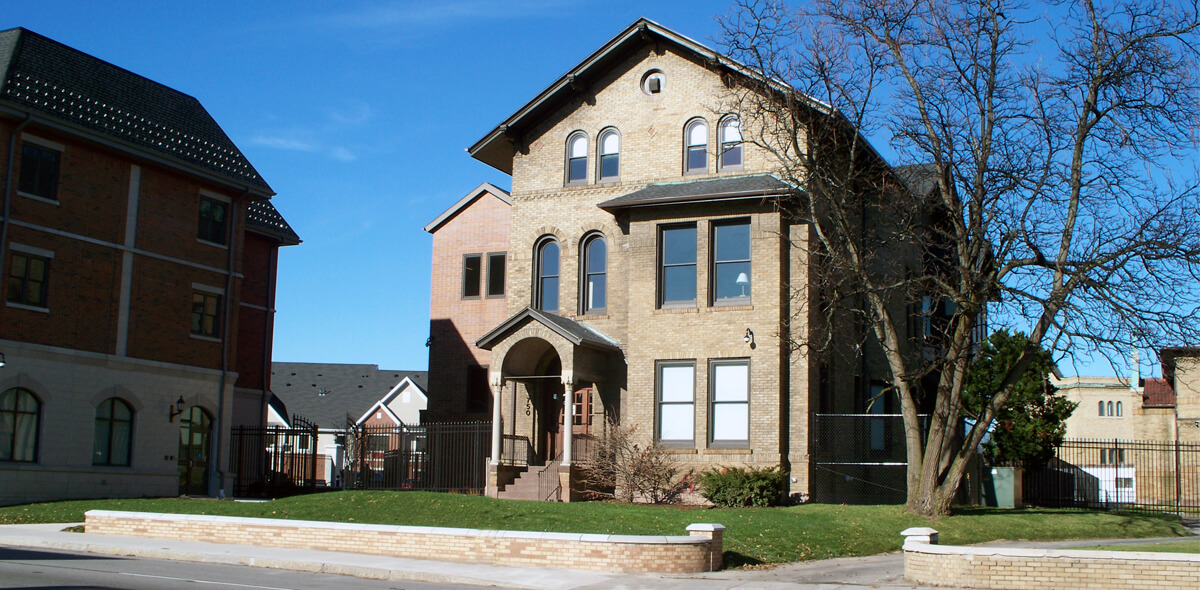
(36, 570)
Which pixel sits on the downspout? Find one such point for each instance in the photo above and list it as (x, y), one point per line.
(268, 335)
(12, 155)
(225, 346)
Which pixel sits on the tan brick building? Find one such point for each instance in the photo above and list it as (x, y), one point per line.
(139, 254)
(650, 277)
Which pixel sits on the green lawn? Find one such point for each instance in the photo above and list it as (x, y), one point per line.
(754, 535)
(1192, 546)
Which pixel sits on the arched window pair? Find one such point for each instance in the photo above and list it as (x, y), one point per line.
(594, 274)
(610, 157)
(729, 142)
(1108, 409)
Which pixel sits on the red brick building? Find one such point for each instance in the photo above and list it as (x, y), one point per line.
(139, 254)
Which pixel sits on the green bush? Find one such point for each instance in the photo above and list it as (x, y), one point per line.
(729, 487)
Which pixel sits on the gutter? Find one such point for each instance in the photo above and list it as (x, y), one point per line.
(225, 344)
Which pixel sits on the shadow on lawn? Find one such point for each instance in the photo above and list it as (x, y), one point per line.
(734, 559)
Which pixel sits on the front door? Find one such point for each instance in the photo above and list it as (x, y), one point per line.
(195, 433)
(552, 416)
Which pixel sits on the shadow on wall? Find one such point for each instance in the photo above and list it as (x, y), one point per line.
(454, 375)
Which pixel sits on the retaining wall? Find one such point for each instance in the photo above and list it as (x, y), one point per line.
(699, 552)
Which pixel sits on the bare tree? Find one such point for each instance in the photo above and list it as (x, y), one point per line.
(629, 468)
(1053, 194)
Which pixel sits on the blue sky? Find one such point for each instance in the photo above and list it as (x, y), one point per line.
(358, 114)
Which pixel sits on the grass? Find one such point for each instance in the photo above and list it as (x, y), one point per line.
(754, 535)
(1192, 546)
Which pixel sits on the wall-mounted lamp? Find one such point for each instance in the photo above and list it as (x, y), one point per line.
(749, 337)
(177, 409)
(2, 363)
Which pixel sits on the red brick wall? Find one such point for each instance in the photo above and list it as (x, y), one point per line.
(258, 265)
(456, 323)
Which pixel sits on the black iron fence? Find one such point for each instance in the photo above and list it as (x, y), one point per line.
(1145, 475)
(441, 457)
(859, 459)
(273, 462)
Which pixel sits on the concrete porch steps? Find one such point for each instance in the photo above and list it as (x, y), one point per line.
(525, 486)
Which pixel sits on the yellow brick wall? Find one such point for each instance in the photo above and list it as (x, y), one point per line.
(1060, 570)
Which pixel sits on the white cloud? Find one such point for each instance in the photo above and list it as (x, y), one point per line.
(283, 143)
(343, 154)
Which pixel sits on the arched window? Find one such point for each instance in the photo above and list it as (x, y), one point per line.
(20, 413)
(546, 289)
(1110, 409)
(1118, 409)
(1101, 409)
(610, 155)
(595, 274)
(731, 144)
(697, 146)
(114, 433)
(577, 151)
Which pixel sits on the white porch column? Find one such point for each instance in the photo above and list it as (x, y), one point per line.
(497, 384)
(568, 413)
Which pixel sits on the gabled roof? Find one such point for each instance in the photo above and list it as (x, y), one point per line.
(573, 331)
(263, 217)
(756, 186)
(496, 149)
(383, 402)
(63, 86)
(471, 197)
(325, 393)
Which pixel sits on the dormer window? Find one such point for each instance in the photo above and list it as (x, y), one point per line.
(731, 144)
(697, 147)
(577, 150)
(610, 155)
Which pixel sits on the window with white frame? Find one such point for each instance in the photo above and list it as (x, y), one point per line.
(729, 402)
(610, 155)
(696, 158)
(676, 381)
(577, 152)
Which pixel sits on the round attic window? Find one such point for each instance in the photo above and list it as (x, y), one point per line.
(653, 82)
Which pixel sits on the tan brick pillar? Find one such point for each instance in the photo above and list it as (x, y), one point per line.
(716, 546)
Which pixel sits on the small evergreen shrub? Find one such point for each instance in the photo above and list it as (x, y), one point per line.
(730, 487)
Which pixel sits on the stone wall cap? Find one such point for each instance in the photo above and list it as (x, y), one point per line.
(1031, 553)
(918, 531)
(706, 527)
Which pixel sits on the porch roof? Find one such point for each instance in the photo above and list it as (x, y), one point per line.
(574, 332)
(756, 186)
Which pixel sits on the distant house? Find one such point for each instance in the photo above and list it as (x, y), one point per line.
(337, 396)
(138, 249)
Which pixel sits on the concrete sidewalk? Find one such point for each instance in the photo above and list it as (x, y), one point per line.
(878, 571)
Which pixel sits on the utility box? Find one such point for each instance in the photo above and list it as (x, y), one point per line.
(1002, 487)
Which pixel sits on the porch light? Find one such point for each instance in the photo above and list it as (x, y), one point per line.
(176, 410)
(749, 337)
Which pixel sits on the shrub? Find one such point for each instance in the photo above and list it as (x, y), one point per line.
(628, 468)
(730, 487)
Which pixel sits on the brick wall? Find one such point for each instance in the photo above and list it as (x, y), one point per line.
(456, 323)
(615, 553)
(1010, 567)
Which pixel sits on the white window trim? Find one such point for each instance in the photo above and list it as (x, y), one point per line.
(208, 289)
(15, 247)
(43, 142)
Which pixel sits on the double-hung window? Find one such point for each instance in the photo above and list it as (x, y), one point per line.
(577, 152)
(214, 214)
(729, 381)
(731, 262)
(676, 381)
(731, 144)
(610, 155)
(27, 277)
(495, 274)
(206, 314)
(595, 274)
(472, 274)
(677, 266)
(696, 158)
(39, 171)
(546, 286)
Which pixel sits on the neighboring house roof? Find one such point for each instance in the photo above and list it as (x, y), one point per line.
(64, 86)
(325, 393)
(1158, 393)
(497, 148)
(262, 217)
(755, 186)
(920, 178)
(573, 331)
(471, 197)
(383, 402)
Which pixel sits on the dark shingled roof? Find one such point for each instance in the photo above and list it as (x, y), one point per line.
(920, 178)
(575, 332)
(1158, 393)
(711, 189)
(324, 393)
(58, 83)
(263, 217)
